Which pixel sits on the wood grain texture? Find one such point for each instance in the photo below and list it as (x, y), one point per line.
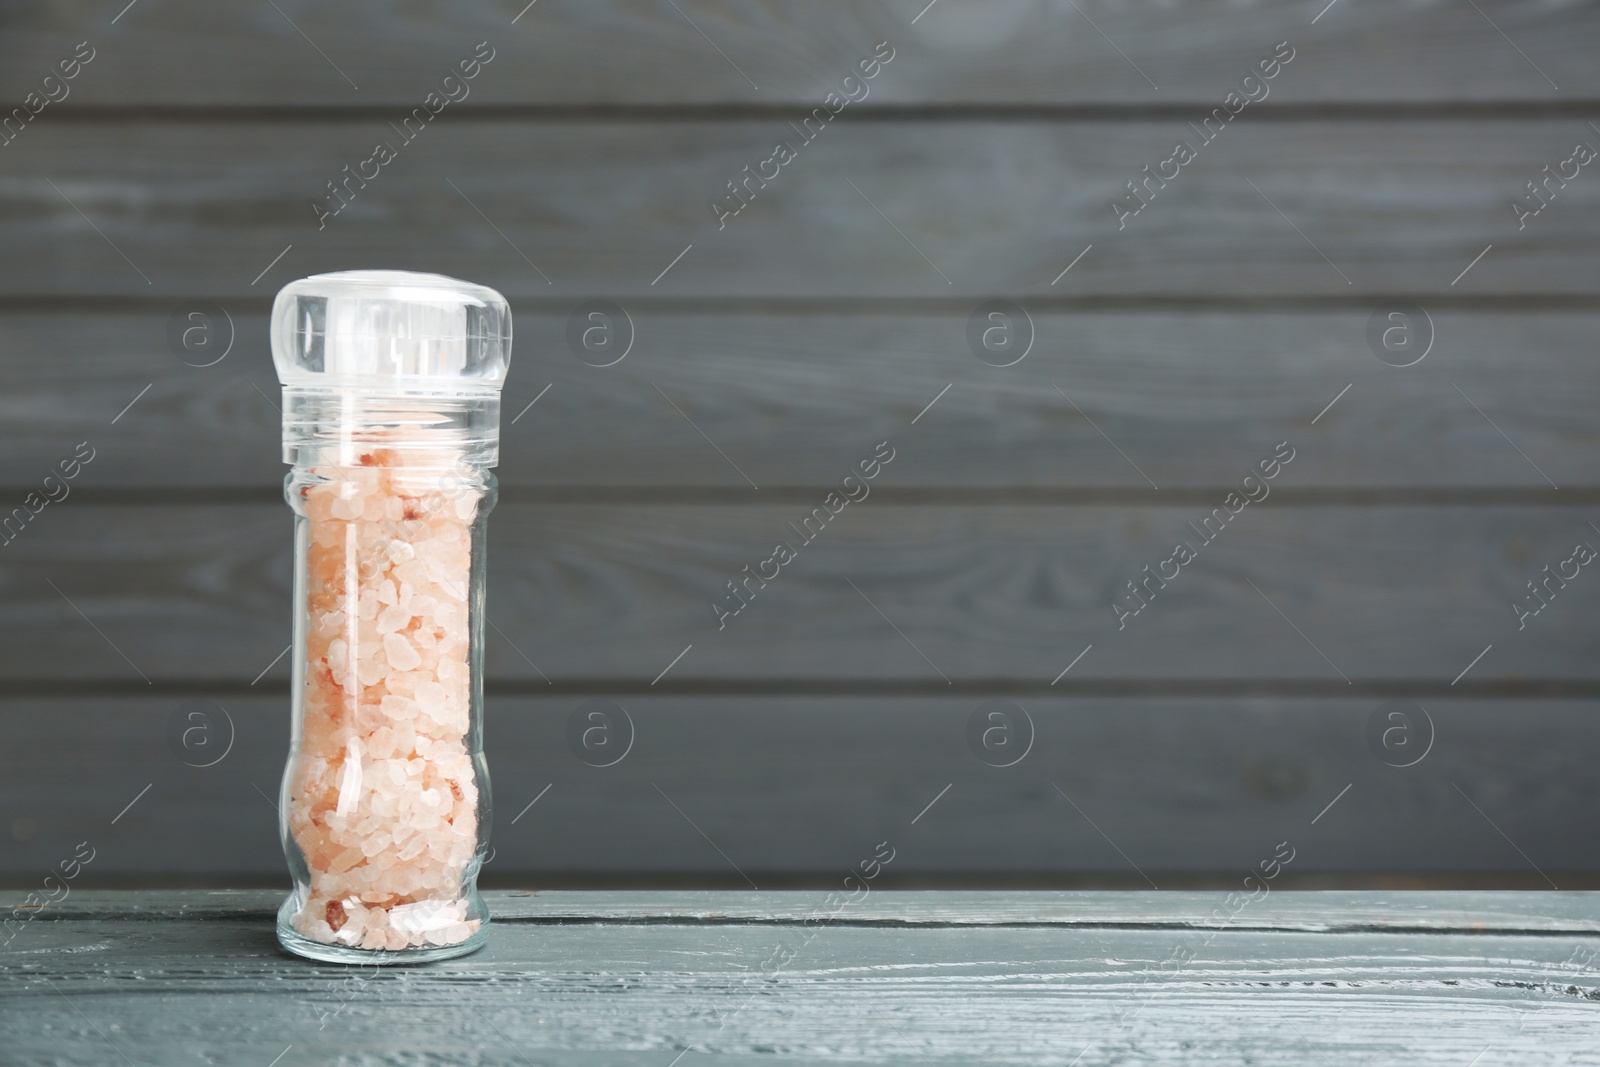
(980, 595)
(1303, 911)
(603, 992)
(983, 208)
(796, 790)
(1191, 397)
(578, 52)
(824, 318)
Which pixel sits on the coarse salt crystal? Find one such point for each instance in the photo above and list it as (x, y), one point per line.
(393, 618)
(432, 700)
(421, 916)
(370, 670)
(350, 779)
(401, 656)
(399, 707)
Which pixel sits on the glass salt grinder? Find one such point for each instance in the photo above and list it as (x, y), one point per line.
(391, 420)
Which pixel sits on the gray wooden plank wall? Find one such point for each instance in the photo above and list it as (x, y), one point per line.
(830, 314)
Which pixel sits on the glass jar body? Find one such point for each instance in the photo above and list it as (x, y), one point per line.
(385, 804)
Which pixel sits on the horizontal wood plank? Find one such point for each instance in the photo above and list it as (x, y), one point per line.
(568, 210)
(1189, 398)
(829, 314)
(977, 595)
(639, 994)
(579, 52)
(1330, 911)
(796, 790)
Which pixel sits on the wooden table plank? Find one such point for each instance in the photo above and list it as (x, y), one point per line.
(603, 992)
(619, 53)
(1191, 397)
(792, 788)
(982, 595)
(1303, 911)
(1396, 207)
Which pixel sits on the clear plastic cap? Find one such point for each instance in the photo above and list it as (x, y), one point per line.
(406, 360)
(391, 331)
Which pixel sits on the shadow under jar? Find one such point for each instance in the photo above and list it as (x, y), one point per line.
(391, 421)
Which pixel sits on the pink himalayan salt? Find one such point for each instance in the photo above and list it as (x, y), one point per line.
(384, 799)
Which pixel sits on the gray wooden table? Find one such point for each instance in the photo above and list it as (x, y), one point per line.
(897, 977)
